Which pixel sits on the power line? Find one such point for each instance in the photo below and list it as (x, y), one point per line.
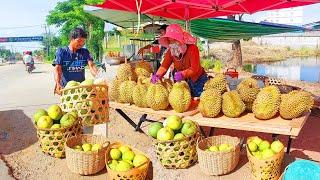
(20, 27)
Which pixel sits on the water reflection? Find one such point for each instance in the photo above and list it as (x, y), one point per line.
(304, 69)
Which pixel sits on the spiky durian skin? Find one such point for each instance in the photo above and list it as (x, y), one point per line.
(157, 97)
(266, 105)
(232, 105)
(125, 91)
(210, 103)
(218, 82)
(180, 97)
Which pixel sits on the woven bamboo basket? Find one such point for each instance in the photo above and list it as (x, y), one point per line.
(177, 154)
(52, 141)
(137, 173)
(86, 163)
(91, 103)
(266, 169)
(218, 163)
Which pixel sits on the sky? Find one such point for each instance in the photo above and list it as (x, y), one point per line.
(32, 13)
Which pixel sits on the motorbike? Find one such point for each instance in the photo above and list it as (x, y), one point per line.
(30, 67)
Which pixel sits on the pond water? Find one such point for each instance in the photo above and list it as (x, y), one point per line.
(303, 69)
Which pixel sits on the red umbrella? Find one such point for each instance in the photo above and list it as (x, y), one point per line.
(200, 9)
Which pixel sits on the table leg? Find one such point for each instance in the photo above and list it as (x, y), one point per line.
(202, 132)
(275, 137)
(128, 119)
(211, 131)
(142, 119)
(289, 145)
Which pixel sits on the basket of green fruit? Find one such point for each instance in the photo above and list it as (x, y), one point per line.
(124, 162)
(53, 128)
(175, 142)
(89, 99)
(218, 155)
(265, 158)
(85, 154)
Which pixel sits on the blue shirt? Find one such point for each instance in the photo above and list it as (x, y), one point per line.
(72, 70)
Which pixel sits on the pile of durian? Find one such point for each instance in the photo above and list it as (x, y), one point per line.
(132, 85)
(265, 103)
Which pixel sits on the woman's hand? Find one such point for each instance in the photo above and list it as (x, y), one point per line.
(155, 78)
(178, 76)
(57, 89)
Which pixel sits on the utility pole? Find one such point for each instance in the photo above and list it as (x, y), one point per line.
(48, 40)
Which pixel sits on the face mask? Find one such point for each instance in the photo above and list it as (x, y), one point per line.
(176, 49)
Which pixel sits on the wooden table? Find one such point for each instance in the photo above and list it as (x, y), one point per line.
(248, 122)
(161, 114)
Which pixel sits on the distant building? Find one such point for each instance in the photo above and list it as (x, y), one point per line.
(292, 16)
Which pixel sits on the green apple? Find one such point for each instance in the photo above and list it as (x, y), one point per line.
(256, 140)
(123, 166)
(165, 134)
(96, 147)
(77, 148)
(179, 136)
(124, 149)
(113, 164)
(44, 122)
(224, 147)
(67, 120)
(213, 148)
(264, 145)
(188, 128)
(252, 146)
(267, 153)
(87, 82)
(55, 126)
(257, 154)
(154, 128)
(86, 147)
(174, 122)
(72, 84)
(55, 112)
(128, 155)
(139, 159)
(74, 113)
(115, 154)
(277, 146)
(38, 114)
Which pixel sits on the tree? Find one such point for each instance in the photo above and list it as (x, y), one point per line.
(236, 47)
(69, 14)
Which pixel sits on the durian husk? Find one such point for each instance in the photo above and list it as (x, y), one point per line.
(157, 97)
(266, 105)
(210, 103)
(295, 104)
(125, 91)
(139, 94)
(180, 97)
(232, 105)
(219, 82)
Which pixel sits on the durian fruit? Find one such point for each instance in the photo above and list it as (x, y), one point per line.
(125, 91)
(168, 84)
(114, 89)
(295, 104)
(232, 105)
(126, 72)
(143, 69)
(266, 105)
(180, 97)
(210, 103)
(139, 94)
(157, 96)
(218, 82)
(248, 90)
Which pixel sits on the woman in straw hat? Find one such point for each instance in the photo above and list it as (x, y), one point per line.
(184, 55)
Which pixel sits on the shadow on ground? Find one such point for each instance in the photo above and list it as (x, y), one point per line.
(17, 131)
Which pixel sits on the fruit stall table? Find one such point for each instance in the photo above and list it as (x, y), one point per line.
(119, 107)
(247, 122)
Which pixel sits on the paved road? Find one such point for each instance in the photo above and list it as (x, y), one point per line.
(20, 89)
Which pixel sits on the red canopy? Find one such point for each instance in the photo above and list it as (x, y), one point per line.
(200, 9)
